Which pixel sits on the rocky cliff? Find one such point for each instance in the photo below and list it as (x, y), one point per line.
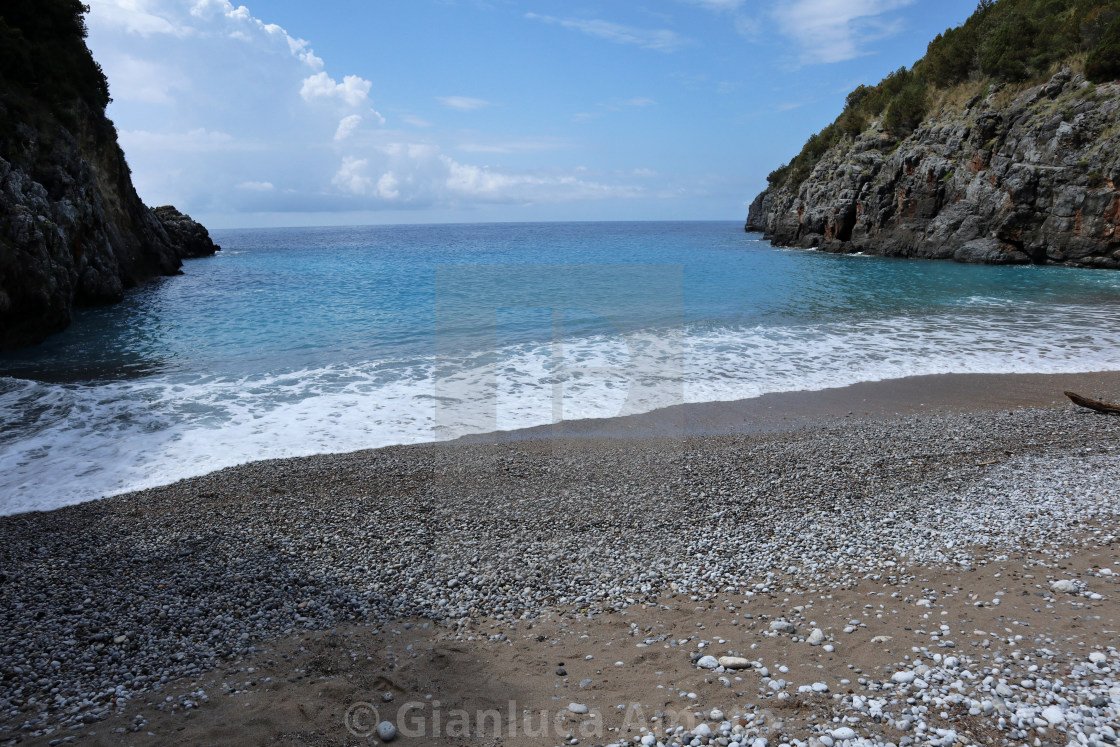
(72, 229)
(1009, 177)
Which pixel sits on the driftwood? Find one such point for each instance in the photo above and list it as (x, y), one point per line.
(1093, 404)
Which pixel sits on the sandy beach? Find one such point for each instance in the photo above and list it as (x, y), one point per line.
(920, 561)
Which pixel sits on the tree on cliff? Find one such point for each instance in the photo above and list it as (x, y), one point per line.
(1104, 62)
(44, 53)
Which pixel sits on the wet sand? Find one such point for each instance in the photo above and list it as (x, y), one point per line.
(913, 395)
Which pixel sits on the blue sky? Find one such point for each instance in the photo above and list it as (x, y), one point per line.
(289, 112)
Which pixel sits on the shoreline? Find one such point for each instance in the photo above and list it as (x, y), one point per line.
(768, 413)
(779, 411)
(285, 591)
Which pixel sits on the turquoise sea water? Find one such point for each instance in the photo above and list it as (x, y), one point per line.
(301, 341)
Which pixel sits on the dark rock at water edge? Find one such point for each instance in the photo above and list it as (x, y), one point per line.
(72, 229)
(189, 235)
(1031, 181)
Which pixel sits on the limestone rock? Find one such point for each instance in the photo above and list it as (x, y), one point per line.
(1032, 182)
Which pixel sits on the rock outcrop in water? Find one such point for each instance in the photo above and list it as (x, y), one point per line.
(1029, 180)
(72, 229)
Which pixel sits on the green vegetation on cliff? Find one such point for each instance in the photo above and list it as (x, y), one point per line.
(1004, 41)
(45, 57)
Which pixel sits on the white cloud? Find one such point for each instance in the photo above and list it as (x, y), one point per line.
(387, 186)
(462, 103)
(352, 91)
(349, 176)
(209, 8)
(836, 30)
(132, 16)
(136, 79)
(222, 113)
(346, 127)
(419, 174)
(662, 40)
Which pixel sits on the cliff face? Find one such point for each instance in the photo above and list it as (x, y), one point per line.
(1032, 180)
(72, 229)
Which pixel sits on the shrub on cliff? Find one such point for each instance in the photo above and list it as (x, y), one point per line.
(906, 110)
(1104, 62)
(45, 57)
(1008, 49)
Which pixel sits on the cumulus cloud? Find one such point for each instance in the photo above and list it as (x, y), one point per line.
(134, 17)
(836, 30)
(462, 103)
(662, 40)
(137, 79)
(269, 128)
(346, 127)
(420, 174)
(350, 176)
(353, 90)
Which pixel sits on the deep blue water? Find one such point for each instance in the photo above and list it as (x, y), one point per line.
(299, 341)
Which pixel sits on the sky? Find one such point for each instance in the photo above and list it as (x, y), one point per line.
(348, 112)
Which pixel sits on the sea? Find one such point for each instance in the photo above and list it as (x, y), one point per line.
(299, 341)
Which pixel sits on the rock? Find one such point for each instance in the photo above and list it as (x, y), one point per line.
(1098, 657)
(191, 237)
(386, 732)
(707, 662)
(1054, 715)
(782, 626)
(734, 662)
(578, 708)
(715, 714)
(702, 730)
(902, 678)
(816, 638)
(1013, 185)
(85, 241)
(1064, 585)
(844, 732)
(990, 251)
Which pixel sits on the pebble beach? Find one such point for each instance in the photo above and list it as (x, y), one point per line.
(945, 576)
